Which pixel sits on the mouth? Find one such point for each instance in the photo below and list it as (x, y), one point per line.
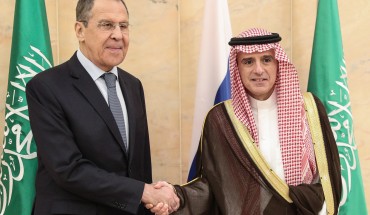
(114, 49)
(259, 79)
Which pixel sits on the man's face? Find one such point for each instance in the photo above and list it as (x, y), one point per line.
(258, 72)
(104, 45)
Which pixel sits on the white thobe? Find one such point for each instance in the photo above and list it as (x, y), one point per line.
(266, 118)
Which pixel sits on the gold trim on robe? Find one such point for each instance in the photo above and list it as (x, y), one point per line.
(319, 147)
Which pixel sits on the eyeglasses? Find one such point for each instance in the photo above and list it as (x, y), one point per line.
(111, 26)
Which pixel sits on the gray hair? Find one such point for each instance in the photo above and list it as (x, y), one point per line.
(83, 10)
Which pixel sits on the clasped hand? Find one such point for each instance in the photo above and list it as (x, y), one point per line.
(160, 198)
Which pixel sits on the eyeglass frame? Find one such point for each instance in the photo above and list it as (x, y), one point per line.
(110, 26)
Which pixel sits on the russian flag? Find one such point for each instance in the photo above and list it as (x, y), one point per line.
(213, 81)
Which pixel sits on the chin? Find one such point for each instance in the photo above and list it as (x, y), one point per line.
(116, 61)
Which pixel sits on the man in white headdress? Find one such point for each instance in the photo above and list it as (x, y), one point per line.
(268, 150)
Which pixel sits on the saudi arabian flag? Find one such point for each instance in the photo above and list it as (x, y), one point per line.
(328, 80)
(30, 54)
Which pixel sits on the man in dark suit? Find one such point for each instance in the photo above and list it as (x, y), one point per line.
(93, 159)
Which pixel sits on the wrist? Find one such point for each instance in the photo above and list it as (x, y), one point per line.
(146, 193)
(173, 188)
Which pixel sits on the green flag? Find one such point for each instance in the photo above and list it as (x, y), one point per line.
(328, 80)
(30, 54)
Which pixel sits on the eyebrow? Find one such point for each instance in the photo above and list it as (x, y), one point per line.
(246, 58)
(269, 56)
(263, 56)
(107, 20)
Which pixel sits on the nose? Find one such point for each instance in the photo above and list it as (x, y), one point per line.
(116, 33)
(259, 68)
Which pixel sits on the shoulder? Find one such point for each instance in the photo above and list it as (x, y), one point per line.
(54, 77)
(49, 76)
(55, 73)
(129, 80)
(216, 111)
(321, 110)
(319, 104)
(217, 107)
(126, 75)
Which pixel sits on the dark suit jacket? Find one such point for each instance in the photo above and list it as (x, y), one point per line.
(83, 168)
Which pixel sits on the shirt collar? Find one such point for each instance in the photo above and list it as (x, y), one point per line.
(94, 71)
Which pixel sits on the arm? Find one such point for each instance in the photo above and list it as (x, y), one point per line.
(195, 197)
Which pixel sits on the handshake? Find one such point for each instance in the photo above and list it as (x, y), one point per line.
(161, 198)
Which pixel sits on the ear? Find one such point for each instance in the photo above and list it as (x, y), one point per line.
(80, 31)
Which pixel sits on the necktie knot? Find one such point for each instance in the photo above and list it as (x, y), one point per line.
(110, 79)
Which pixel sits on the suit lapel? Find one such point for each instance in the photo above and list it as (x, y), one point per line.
(84, 83)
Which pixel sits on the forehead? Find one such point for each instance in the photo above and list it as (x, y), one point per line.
(270, 52)
(109, 9)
